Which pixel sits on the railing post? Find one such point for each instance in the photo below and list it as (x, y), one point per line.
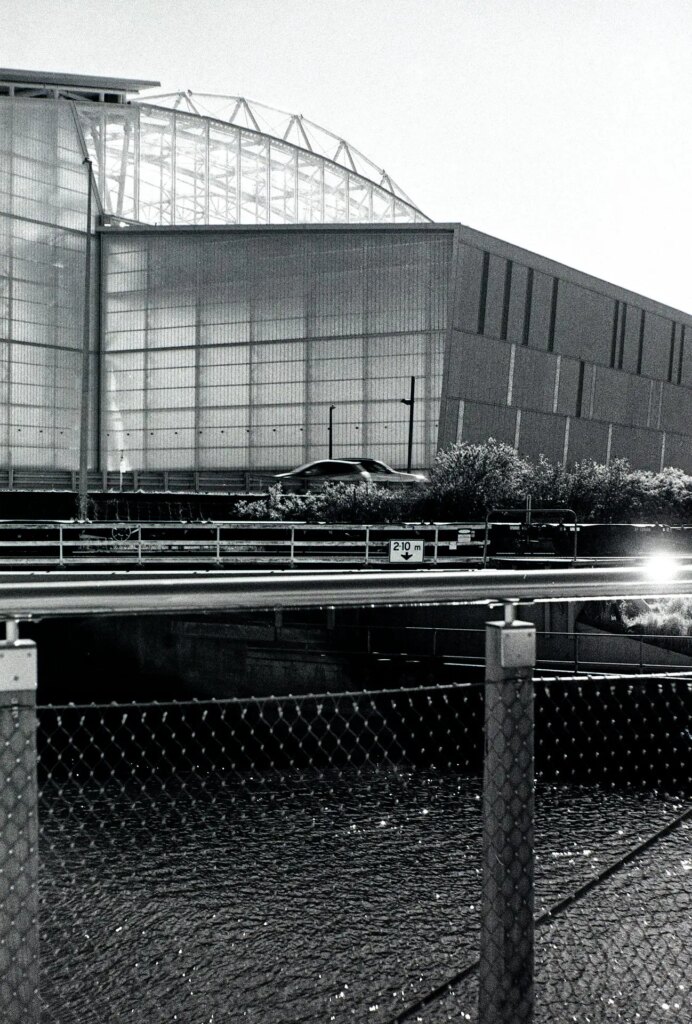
(19, 934)
(506, 993)
(139, 544)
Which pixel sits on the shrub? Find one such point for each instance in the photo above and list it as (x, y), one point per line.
(668, 616)
(469, 480)
(341, 503)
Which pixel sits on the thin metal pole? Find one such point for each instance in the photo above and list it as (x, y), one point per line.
(411, 403)
(331, 431)
(84, 408)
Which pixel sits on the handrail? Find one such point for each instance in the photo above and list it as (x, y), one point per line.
(41, 594)
(527, 512)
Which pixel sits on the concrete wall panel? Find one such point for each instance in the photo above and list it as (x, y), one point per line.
(584, 323)
(568, 387)
(534, 380)
(497, 272)
(676, 407)
(587, 440)
(541, 305)
(542, 434)
(678, 452)
(480, 368)
(656, 351)
(517, 304)
(484, 421)
(470, 265)
(641, 447)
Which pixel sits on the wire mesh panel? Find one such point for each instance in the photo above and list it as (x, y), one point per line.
(292, 859)
(320, 858)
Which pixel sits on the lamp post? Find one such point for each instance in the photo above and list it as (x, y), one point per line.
(83, 478)
(331, 430)
(411, 403)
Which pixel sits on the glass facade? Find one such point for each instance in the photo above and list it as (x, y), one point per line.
(43, 209)
(225, 349)
(161, 166)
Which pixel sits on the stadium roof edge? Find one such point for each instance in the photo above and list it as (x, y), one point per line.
(67, 80)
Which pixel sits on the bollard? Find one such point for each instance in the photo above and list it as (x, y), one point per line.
(505, 993)
(18, 832)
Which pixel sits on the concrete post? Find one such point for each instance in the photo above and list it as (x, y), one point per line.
(507, 907)
(18, 832)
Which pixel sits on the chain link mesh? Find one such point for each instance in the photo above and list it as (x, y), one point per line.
(321, 858)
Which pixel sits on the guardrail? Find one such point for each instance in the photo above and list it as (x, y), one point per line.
(297, 543)
(527, 515)
(29, 595)
(236, 543)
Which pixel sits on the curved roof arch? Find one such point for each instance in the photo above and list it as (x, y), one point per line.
(171, 159)
(282, 125)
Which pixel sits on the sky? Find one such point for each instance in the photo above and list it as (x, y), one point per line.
(559, 125)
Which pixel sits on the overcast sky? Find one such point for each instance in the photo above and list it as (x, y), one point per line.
(559, 125)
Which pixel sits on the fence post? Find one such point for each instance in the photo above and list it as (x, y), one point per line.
(18, 831)
(506, 948)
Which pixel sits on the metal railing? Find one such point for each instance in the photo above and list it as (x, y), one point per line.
(346, 775)
(496, 517)
(232, 543)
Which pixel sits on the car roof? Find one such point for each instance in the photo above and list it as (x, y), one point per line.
(325, 462)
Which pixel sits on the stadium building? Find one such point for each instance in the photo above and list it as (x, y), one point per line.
(189, 283)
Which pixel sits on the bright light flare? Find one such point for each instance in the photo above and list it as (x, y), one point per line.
(662, 567)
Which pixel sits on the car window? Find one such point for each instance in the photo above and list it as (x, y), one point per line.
(373, 466)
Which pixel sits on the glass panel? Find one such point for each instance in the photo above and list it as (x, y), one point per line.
(224, 166)
(190, 170)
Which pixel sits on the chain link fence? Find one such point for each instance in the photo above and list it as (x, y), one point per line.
(510, 851)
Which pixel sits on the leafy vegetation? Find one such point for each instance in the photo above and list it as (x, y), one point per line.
(667, 617)
(469, 480)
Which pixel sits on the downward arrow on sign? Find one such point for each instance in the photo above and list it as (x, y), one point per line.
(407, 556)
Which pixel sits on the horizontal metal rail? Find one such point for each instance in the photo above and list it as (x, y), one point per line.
(41, 594)
(291, 543)
(231, 543)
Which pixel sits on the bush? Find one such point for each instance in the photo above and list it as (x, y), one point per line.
(469, 480)
(341, 503)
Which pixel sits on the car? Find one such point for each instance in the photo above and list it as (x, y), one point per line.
(317, 475)
(314, 476)
(385, 476)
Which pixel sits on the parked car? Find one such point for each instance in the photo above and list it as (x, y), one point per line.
(314, 476)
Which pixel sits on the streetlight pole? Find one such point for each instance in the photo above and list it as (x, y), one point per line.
(411, 403)
(331, 430)
(83, 485)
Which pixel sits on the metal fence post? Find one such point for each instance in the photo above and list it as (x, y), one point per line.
(506, 947)
(18, 832)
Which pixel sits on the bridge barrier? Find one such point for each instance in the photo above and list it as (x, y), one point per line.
(446, 851)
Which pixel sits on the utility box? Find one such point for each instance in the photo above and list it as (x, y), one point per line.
(518, 645)
(510, 648)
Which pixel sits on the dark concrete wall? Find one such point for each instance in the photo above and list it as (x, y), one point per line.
(557, 362)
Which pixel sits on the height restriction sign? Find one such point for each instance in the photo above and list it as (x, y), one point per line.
(406, 551)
